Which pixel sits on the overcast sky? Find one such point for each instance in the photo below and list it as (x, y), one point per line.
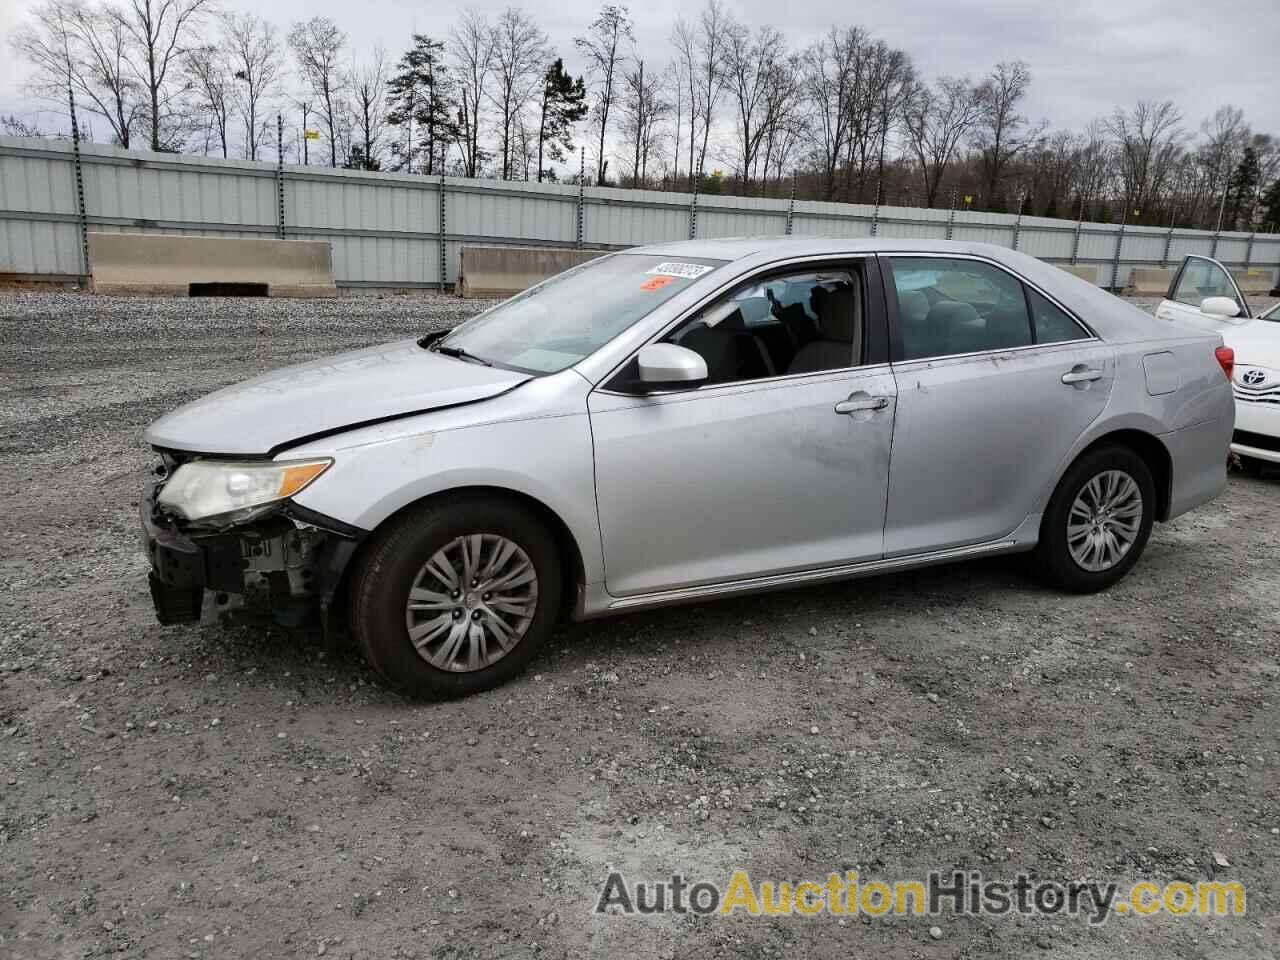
(1086, 56)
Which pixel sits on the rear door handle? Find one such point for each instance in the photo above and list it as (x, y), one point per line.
(1081, 375)
(862, 404)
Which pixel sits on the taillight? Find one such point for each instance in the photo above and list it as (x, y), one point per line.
(1226, 359)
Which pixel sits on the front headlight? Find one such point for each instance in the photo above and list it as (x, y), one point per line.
(213, 488)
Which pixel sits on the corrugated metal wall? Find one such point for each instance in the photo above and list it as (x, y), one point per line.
(386, 227)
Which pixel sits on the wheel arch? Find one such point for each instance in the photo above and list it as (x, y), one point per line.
(1153, 453)
(572, 564)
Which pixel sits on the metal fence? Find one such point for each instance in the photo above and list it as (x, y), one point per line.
(404, 231)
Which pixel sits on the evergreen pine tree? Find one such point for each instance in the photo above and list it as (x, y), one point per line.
(1241, 191)
(420, 98)
(563, 104)
(1271, 204)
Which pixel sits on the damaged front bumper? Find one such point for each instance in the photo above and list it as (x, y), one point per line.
(297, 554)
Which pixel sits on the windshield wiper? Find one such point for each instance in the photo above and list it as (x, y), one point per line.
(461, 354)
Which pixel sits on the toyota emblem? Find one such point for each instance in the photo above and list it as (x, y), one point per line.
(1252, 378)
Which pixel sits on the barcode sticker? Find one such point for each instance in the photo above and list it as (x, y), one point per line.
(673, 268)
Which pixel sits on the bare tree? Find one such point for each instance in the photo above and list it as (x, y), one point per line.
(71, 44)
(999, 134)
(604, 48)
(368, 84)
(159, 31)
(786, 121)
(520, 54)
(896, 88)
(317, 45)
(756, 68)
(643, 110)
(471, 51)
(253, 51)
(1149, 138)
(210, 83)
(829, 86)
(936, 121)
(713, 24)
(684, 68)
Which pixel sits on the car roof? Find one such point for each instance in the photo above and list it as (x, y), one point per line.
(1109, 316)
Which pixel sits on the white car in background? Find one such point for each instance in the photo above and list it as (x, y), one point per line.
(1203, 293)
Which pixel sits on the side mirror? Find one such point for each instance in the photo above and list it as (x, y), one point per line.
(1223, 307)
(667, 365)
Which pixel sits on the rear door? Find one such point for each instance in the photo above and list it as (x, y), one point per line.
(1197, 279)
(996, 381)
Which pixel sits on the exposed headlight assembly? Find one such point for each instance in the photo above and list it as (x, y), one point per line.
(228, 492)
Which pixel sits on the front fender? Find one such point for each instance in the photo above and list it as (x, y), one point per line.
(546, 458)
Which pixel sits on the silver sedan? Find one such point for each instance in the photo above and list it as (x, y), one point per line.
(688, 421)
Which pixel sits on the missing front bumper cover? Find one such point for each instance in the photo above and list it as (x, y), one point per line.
(300, 554)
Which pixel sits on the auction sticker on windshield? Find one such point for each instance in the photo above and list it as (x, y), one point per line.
(657, 283)
(673, 268)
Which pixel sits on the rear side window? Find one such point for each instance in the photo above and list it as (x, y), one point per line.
(948, 307)
(1052, 324)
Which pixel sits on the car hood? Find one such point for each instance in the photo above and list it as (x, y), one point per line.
(1256, 342)
(279, 409)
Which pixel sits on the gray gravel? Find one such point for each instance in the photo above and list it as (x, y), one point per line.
(235, 791)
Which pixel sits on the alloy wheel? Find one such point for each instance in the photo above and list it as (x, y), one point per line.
(1104, 520)
(471, 602)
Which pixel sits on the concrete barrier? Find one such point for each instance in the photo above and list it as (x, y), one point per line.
(1082, 270)
(1149, 281)
(1256, 280)
(169, 265)
(494, 271)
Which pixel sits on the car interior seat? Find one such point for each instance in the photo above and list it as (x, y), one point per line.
(839, 323)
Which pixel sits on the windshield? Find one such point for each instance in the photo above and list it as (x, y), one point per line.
(553, 326)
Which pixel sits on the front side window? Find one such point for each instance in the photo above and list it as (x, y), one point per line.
(784, 324)
(1200, 279)
(951, 306)
(553, 326)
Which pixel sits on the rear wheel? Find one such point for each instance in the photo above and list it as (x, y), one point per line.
(455, 596)
(1098, 520)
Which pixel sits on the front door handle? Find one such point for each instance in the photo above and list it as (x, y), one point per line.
(861, 404)
(1081, 374)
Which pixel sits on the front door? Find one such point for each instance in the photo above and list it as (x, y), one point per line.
(778, 463)
(995, 384)
(1197, 279)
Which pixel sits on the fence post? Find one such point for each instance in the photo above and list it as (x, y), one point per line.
(1075, 241)
(1248, 250)
(280, 176)
(693, 205)
(1017, 224)
(1115, 262)
(82, 216)
(582, 193)
(951, 218)
(443, 232)
(875, 214)
(1222, 207)
(791, 207)
(1168, 242)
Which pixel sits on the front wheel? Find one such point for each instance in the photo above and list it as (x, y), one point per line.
(455, 596)
(1098, 520)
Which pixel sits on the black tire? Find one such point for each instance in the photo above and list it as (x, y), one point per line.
(1053, 555)
(391, 562)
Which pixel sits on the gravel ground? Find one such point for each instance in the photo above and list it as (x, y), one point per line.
(235, 791)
